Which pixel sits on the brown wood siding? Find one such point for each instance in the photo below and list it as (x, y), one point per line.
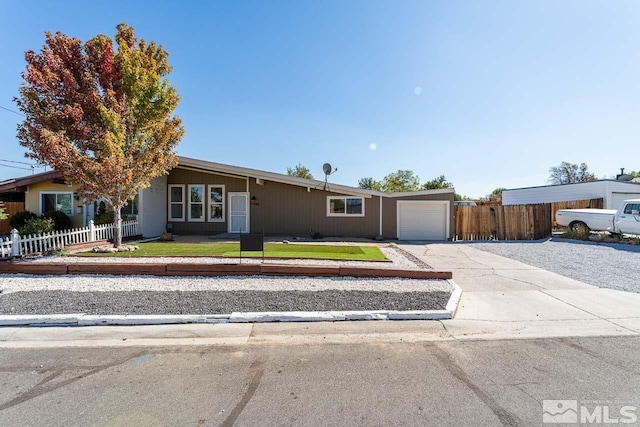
(186, 177)
(289, 210)
(389, 213)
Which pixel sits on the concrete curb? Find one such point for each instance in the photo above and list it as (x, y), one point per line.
(152, 319)
(81, 319)
(40, 320)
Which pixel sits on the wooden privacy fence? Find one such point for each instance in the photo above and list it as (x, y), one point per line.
(575, 204)
(513, 222)
(516, 222)
(10, 208)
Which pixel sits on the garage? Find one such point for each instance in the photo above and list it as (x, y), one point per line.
(423, 219)
(618, 198)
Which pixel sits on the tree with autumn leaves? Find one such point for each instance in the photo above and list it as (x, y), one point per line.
(101, 113)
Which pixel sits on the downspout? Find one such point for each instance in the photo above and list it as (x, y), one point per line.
(380, 215)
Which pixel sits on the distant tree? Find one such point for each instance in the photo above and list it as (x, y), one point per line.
(635, 174)
(437, 183)
(400, 181)
(370, 184)
(567, 173)
(458, 197)
(299, 171)
(496, 195)
(498, 190)
(100, 113)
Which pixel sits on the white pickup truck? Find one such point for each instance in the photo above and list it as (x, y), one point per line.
(625, 220)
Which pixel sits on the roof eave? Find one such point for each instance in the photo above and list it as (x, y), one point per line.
(272, 176)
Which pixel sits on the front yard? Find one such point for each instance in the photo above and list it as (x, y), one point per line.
(271, 250)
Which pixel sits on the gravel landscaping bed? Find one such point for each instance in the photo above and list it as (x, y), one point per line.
(107, 294)
(215, 302)
(10, 283)
(606, 265)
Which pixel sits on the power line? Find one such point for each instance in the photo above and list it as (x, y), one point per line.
(12, 111)
(15, 167)
(15, 161)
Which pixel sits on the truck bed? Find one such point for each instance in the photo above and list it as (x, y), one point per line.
(596, 219)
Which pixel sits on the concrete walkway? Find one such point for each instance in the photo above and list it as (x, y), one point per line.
(503, 298)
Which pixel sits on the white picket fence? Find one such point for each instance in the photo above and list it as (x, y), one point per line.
(17, 245)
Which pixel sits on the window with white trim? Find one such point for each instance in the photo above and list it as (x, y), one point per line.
(345, 206)
(196, 203)
(176, 202)
(131, 209)
(56, 201)
(216, 203)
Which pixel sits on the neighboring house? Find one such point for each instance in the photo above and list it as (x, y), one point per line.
(200, 197)
(43, 192)
(612, 191)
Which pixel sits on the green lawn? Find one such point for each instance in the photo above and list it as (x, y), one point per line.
(273, 250)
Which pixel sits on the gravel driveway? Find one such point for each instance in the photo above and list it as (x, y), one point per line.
(606, 265)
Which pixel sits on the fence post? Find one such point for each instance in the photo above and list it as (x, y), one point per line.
(15, 242)
(92, 231)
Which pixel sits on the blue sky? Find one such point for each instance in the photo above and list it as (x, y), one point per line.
(488, 93)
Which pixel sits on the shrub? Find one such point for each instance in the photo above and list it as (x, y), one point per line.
(3, 213)
(35, 226)
(60, 220)
(19, 219)
(103, 218)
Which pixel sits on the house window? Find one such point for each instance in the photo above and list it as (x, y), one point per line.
(216, 203)
(196, 203)
(176, 203)
(345, 206)
(56, 202)
(132, 207)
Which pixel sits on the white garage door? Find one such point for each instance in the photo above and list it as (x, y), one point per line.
(618, 198)
(423, 220)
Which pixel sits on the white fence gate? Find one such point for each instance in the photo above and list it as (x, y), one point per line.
(17, 245)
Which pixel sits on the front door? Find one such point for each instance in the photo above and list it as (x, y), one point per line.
(238, 212)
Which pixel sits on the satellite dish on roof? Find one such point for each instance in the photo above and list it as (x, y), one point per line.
(328, 170)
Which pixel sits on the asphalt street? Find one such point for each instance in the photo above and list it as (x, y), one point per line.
(435, 383)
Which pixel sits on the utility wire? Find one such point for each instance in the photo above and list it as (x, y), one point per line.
(12, 111)
(15, 167)
(15, 161)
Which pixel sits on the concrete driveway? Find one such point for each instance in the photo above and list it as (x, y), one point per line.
(505, 298)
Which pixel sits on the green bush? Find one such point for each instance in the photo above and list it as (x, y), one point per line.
(3, 213)
(19, 219)
(36, 226)
(60, 220)
(103, 218)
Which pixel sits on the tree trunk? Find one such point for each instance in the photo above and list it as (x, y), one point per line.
(117, 231)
